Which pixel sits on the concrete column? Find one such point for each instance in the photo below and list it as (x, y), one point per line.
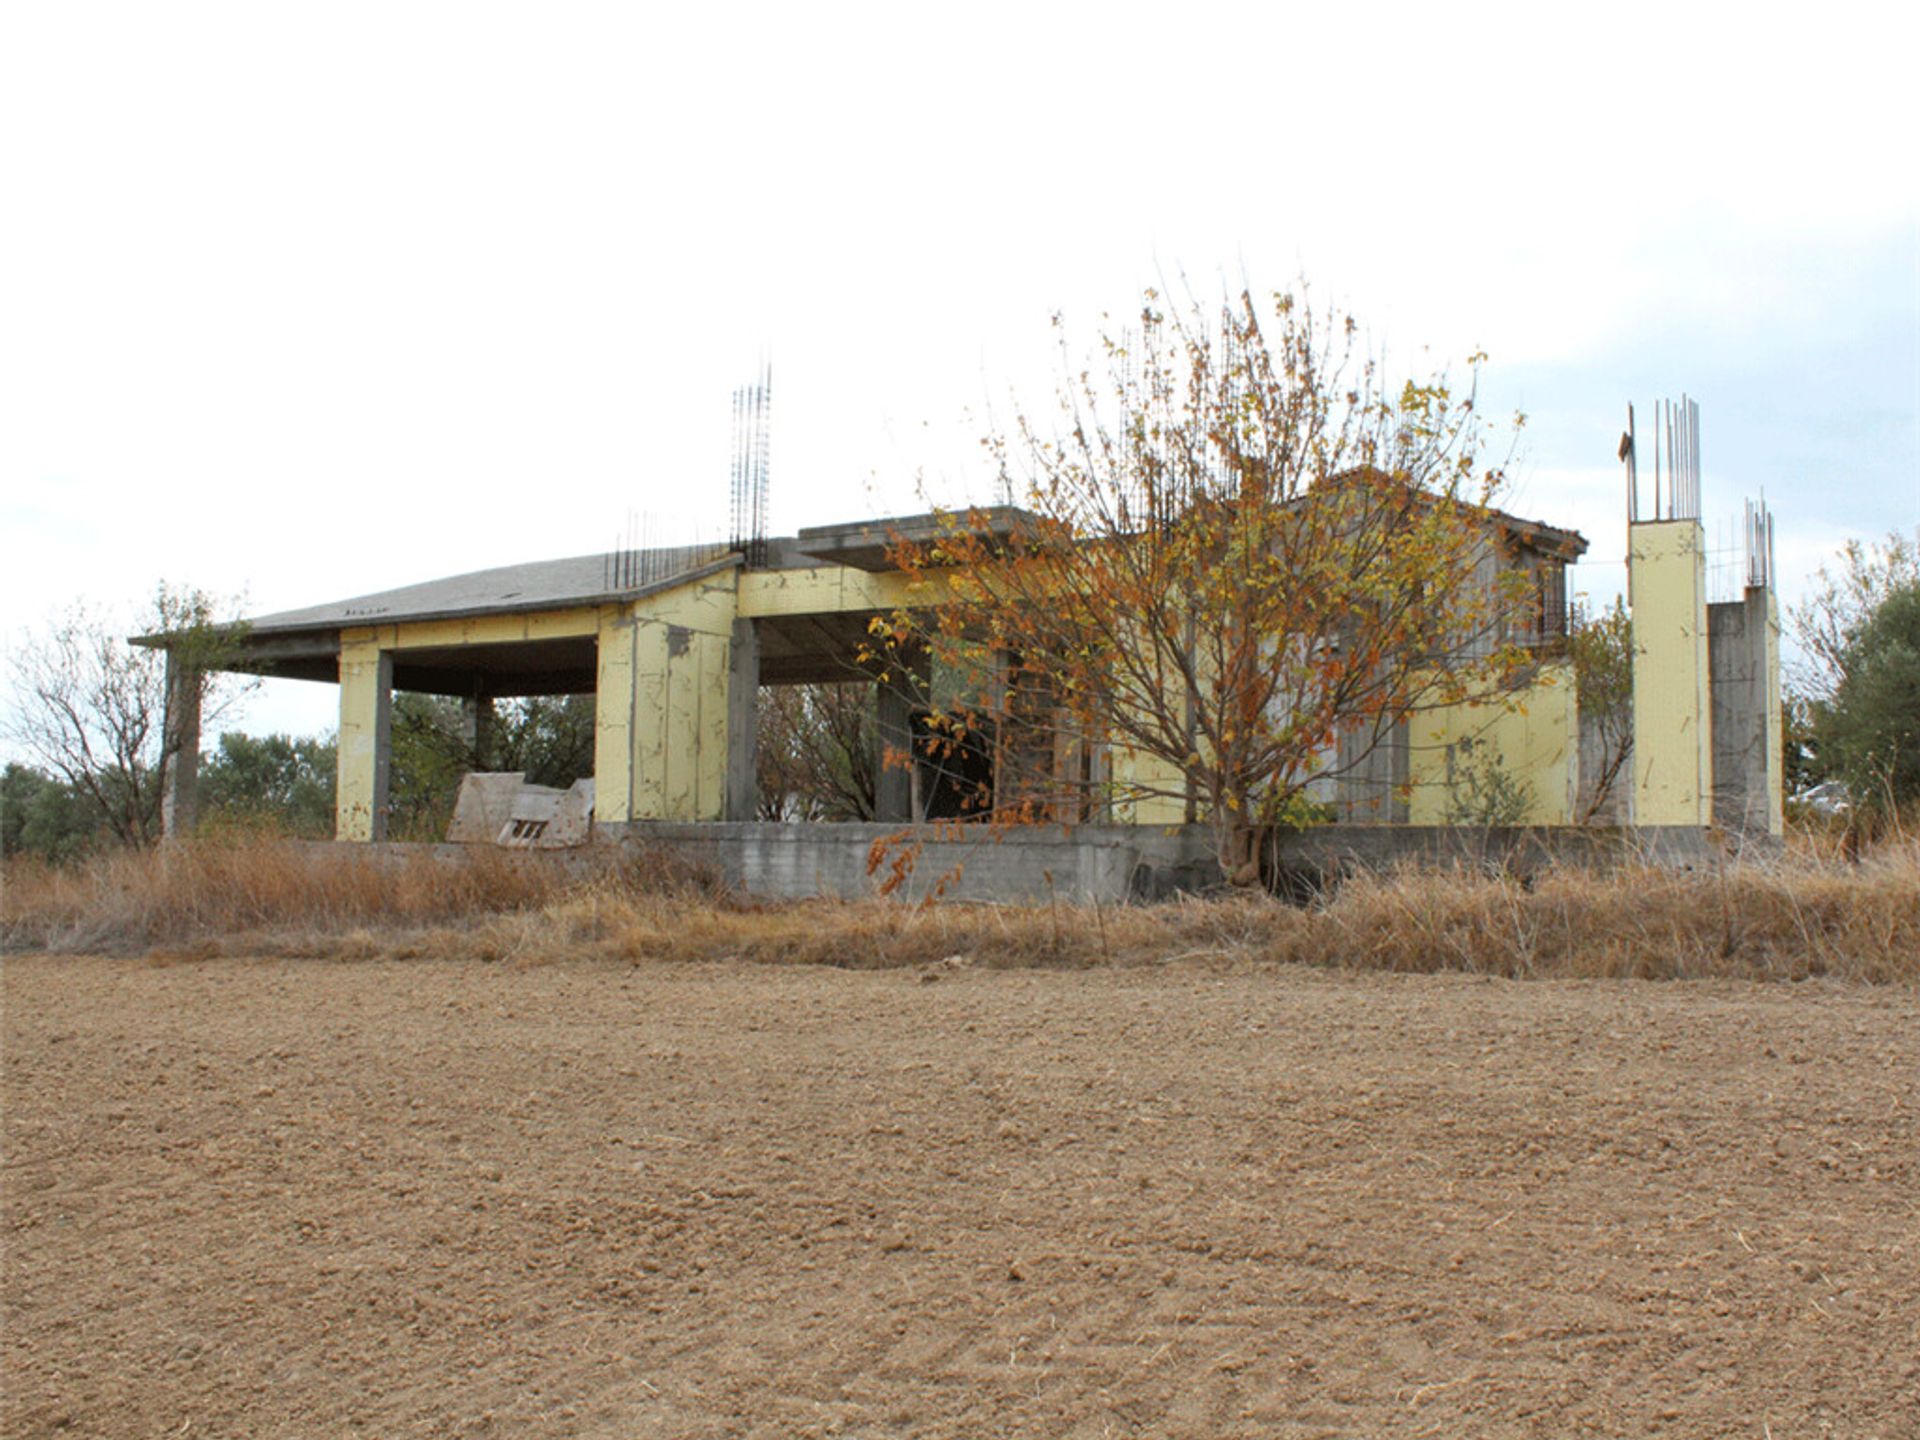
(903, 691)
(180, 750)
(1376, 775)
(743, 721)
(1744, 665)
(476, 725)
(1672, 711)
(366, 741)
(613, 720)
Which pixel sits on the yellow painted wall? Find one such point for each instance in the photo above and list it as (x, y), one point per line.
(359, 721)
(660, 742)
(680, 643)
(1131, 770)
(1672, 713)
(1535, 734)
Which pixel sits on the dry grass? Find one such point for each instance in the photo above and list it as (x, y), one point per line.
(209, 892)
(1803, 914)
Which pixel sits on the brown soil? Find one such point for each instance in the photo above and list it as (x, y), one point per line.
(315, 1199)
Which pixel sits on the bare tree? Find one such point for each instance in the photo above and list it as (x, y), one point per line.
(1602, 652)
(816, 752)
(91, 708)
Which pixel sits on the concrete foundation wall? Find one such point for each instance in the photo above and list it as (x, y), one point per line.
(1087, 864)
(1111, 864)
(1031, 864)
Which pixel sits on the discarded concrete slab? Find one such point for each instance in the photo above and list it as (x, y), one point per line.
(483, 807)
(572, 820)
(503, 809)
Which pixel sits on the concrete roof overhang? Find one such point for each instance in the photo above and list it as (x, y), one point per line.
(563, 666)
(304, 644)
(795, 648)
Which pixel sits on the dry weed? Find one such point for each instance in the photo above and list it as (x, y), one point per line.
(1800, 914)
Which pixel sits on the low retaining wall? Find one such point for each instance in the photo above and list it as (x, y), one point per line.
(1012, 864)
(1085, 864)
(1109, 863)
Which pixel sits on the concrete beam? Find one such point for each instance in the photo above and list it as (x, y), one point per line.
(180, 749)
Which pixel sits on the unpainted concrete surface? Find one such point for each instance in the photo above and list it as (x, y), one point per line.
(1109, 864)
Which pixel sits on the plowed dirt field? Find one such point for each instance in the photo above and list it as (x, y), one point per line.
(395, 1199)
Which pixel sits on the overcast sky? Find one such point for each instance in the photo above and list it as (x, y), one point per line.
(303, 302)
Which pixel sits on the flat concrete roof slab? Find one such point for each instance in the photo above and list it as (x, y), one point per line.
(541, 584)
(871, 544)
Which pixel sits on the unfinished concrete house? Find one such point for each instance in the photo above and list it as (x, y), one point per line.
(676, 648)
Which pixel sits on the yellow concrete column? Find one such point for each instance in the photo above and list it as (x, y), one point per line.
(1672, 711)
(366, 724)
(614, 705)
(678, 676)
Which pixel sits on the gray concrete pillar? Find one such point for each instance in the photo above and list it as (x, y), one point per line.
(476, 725)
(383, 744)
(180, 750)
(743, 721)
(904, 691)
(1741, 671)
(1375, 768)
